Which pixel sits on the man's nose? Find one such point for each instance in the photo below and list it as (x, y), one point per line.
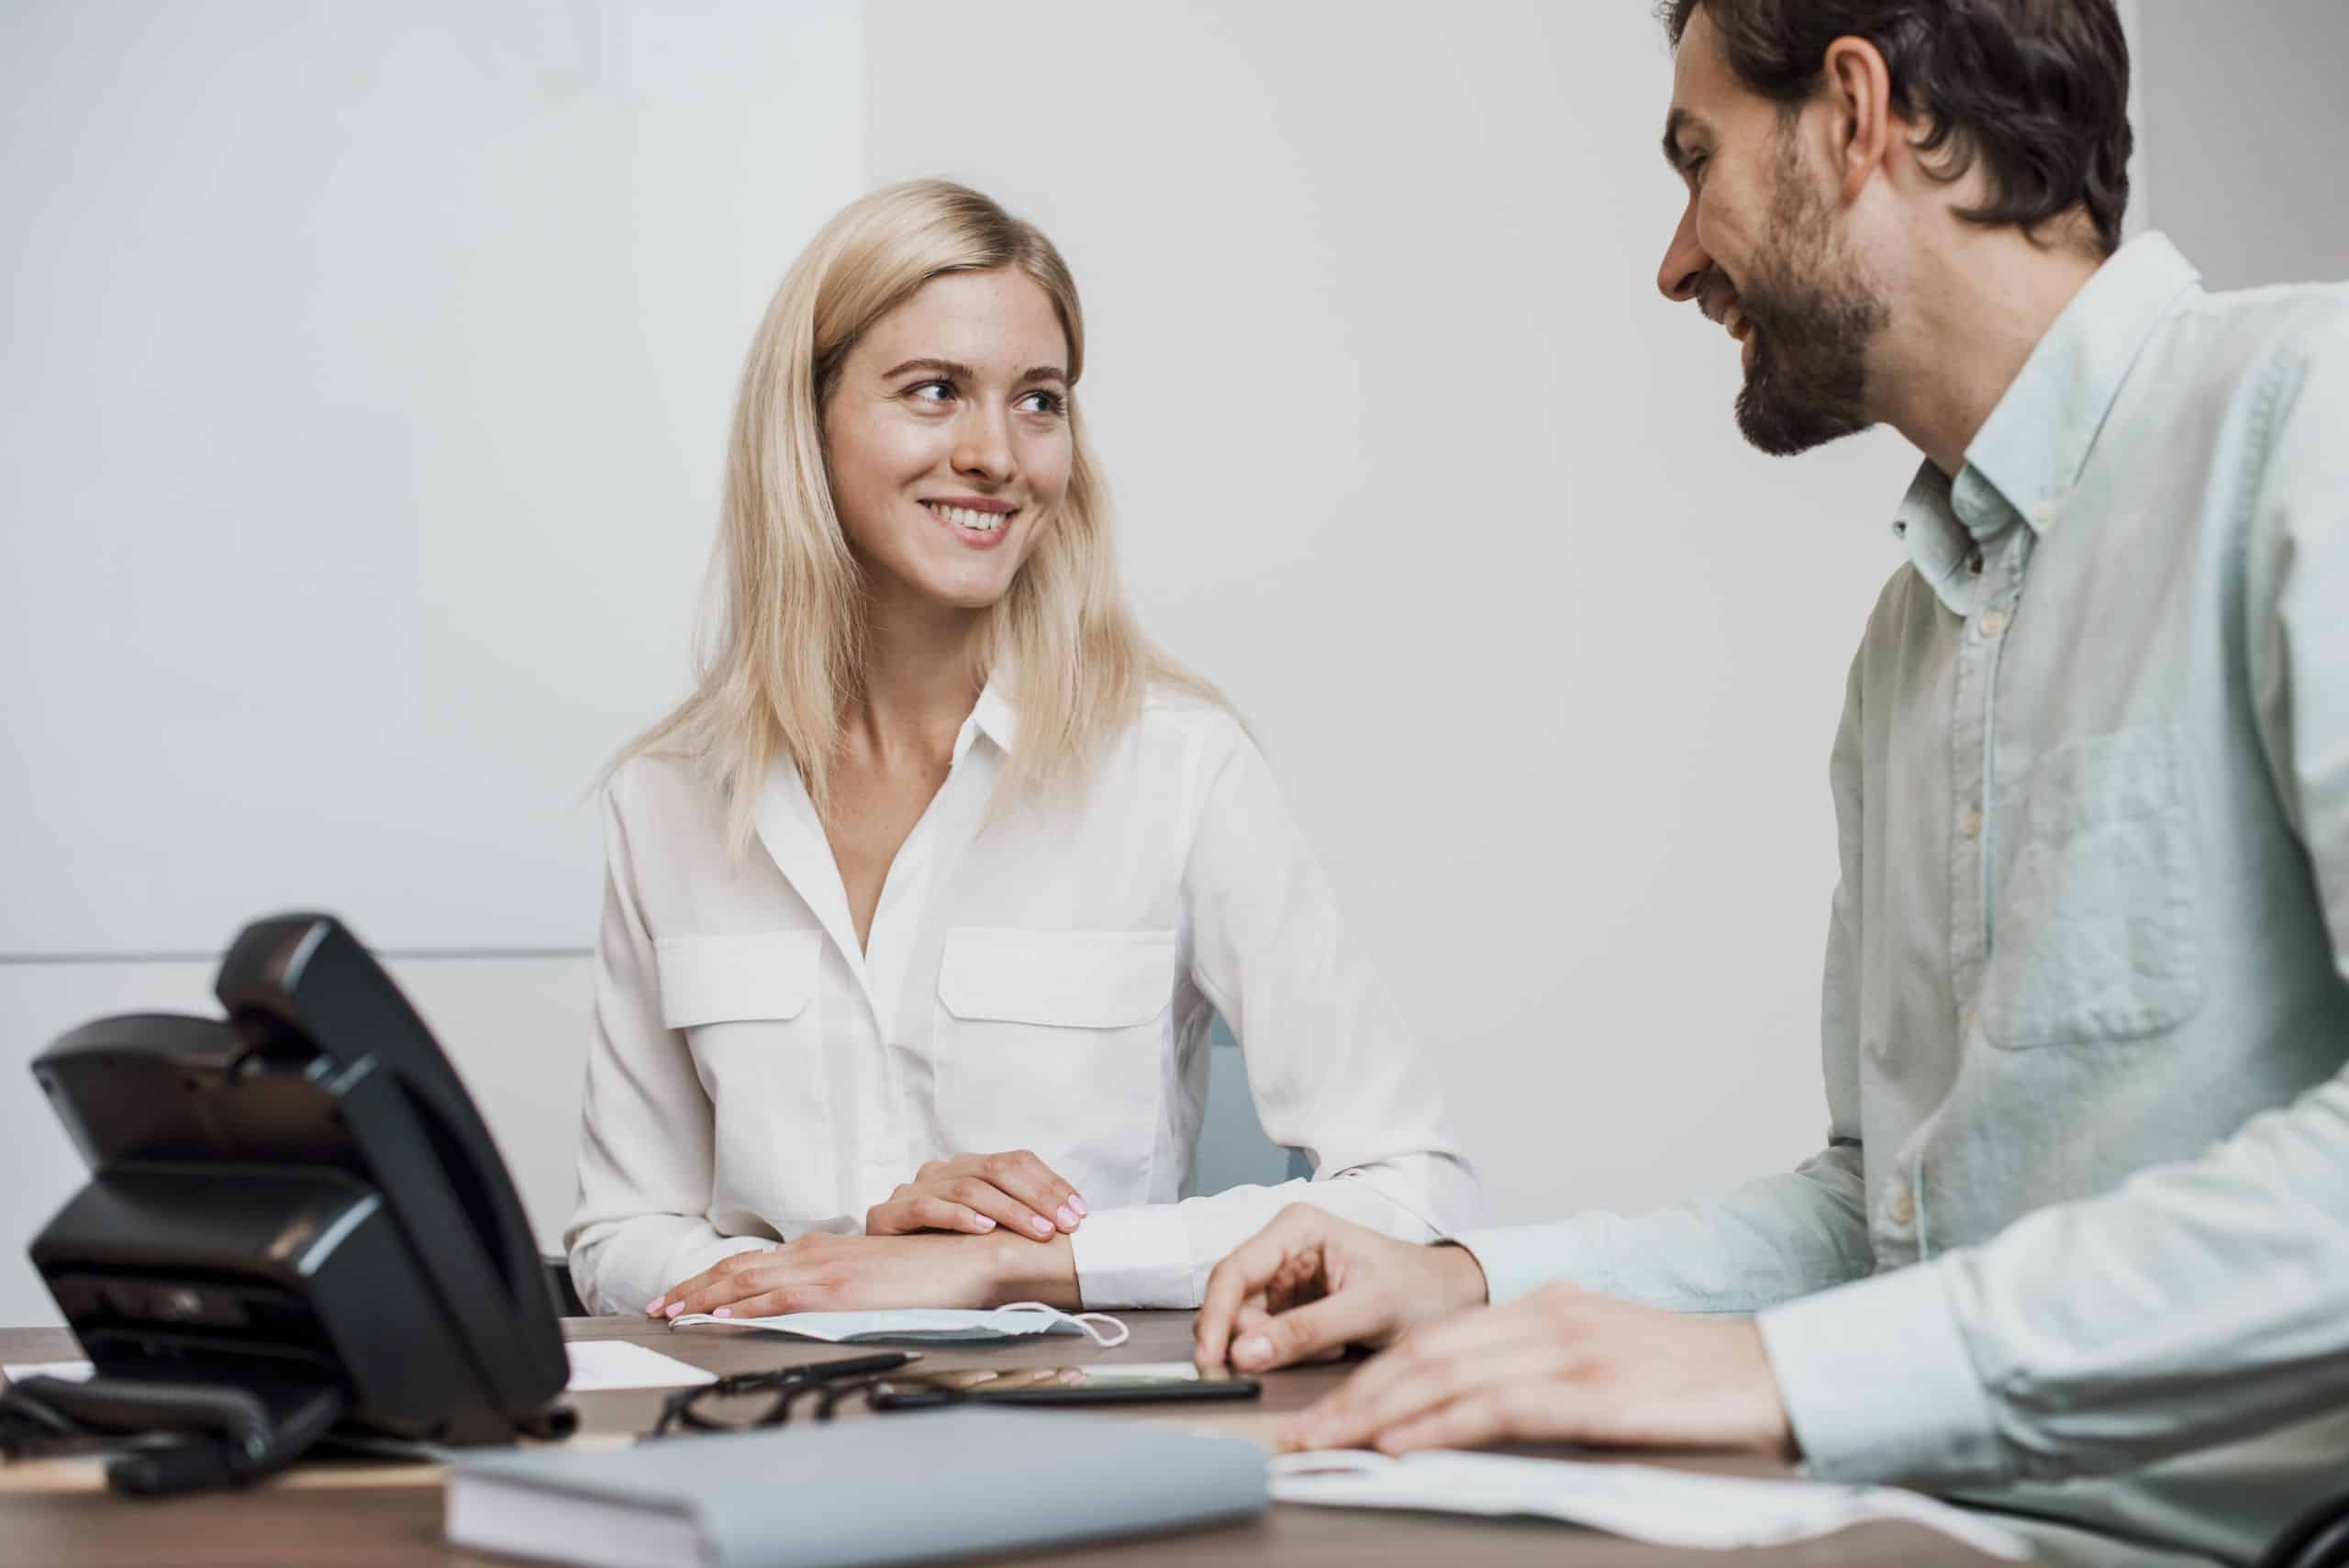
(1685, 263)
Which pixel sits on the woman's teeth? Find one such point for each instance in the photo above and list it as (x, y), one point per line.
(963, 516)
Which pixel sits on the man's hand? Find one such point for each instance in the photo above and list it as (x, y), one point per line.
(975, 1193)
(823, 1273)
(1562, 1364)
(1310, 1284)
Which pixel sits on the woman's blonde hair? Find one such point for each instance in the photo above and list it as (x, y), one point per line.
(780, 665)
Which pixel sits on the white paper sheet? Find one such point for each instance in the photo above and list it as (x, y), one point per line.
(1670, 1507)
(619, 1364)
(594, 1364)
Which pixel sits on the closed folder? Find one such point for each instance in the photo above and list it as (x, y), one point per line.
(898, 1488)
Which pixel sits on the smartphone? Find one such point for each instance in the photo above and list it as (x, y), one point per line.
(1134, 1383)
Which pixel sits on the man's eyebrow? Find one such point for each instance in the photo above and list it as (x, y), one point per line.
(959, 372)
(1674, 124)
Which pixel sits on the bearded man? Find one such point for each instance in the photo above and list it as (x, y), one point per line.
(2077, 1245)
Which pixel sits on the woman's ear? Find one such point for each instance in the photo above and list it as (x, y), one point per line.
(1857, 89)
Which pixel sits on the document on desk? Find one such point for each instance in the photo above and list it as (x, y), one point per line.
(1644, 1501)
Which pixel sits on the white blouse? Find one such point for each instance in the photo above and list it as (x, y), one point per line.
(1042, 977)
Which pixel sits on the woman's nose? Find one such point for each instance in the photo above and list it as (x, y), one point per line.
(982, 446)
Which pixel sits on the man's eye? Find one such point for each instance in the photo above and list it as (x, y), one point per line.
(1696, 169)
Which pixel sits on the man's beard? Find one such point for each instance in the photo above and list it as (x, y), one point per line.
(1810, 327)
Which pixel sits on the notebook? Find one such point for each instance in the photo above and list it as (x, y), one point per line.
(901, 1488)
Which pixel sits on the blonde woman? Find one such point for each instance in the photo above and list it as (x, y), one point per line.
(919, 908)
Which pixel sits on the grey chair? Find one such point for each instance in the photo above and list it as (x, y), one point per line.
(1233, 1149)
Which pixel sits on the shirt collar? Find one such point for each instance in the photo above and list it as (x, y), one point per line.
(992, 717)
(2028, 455)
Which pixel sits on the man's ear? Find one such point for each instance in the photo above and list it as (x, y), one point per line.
(1857, 91)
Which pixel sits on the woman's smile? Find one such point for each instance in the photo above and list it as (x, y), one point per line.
(979, 523)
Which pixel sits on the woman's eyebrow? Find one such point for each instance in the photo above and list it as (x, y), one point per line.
(957, 371)
(954, 369)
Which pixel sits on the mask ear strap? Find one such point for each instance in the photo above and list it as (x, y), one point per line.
(1110, 1334)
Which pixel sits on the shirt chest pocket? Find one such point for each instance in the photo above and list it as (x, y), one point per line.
(2094, 936)
(746, 1003)
(736, 977)
(1056, 1041)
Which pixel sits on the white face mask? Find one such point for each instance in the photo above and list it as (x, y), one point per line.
(932, 1325)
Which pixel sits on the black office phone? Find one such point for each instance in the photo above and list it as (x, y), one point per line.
(296, 1226)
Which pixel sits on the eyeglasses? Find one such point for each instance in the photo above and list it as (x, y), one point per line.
(721, 1407)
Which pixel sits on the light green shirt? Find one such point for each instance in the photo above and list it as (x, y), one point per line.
(2078, 1243)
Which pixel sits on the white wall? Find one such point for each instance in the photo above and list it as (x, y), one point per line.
(1416, 462)
(2248, 141)
(368, 371)
(362, 416)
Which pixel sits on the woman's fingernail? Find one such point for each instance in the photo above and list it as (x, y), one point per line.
(1077, 1203)
(673, 1310)
(1253, 1350)
(984, 1224)
(1067, 1217)
(1040, 1226)
(654, 1306)
(723, 1312)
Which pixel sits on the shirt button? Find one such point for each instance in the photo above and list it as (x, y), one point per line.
(1971, 823)
(1993, 623)
(2045, 511)
(1904, 1209)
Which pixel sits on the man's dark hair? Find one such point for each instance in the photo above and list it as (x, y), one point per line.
(2037, 89)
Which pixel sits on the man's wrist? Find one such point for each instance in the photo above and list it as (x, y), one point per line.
(1021, 1269)
(1464, 1277)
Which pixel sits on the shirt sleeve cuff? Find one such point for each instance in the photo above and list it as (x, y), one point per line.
(1878, 1384)
(1135, 1257)
(1517, 1260)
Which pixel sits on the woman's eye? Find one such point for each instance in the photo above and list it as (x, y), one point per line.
(931, 392)
(1042, 403)
(1696, 169)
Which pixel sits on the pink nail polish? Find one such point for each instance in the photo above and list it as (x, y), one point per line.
(1077, 1204)
(723, 1312)
(654, 1306)
(1040, 1226)
(985, 1224)
(1067, 1217)
(673, 1310)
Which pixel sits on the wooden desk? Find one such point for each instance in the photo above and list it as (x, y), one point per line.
(52, 1516)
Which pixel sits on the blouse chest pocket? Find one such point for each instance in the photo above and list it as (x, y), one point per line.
(745, 1002)
(2095, 934)
(736, 978)
(1056, 1041)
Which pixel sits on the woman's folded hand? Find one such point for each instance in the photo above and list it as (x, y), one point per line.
(975, 1193)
